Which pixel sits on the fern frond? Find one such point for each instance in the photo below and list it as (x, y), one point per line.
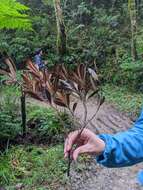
(13, 16)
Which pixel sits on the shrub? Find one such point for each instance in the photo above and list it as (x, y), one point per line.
(44, 124)
(123, 71)
(9, 125)
(10, 119)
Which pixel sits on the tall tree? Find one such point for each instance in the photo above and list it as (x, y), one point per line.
(61, 31)
(133, 20)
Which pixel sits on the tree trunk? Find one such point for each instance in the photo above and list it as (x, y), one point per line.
(61, 31)
(133, 20)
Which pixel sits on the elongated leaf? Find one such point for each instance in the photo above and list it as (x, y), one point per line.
(79, 81)
(55, 84)
(50, 87)
(93, 74)
(68, 99)
(11, 68)
(34, 95)
(35, 74)
(26, 79)
(64, 71)
(93, 83)
(61, 97)
(74, 107)
(3, 72)
(66, 85)
(48, 95)
(46, 76)
(31, 66)
(74, 85)
(102, 100)
(14, 66)
(93, 93)
(58, 102)
(81, 70)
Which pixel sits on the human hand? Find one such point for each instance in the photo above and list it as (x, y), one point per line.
(87, 142)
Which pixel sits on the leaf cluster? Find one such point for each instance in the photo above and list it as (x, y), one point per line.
(58, 85)
(12, 15)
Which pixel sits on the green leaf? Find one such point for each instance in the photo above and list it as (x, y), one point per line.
(12, 15)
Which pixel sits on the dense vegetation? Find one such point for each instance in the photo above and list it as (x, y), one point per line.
(96, 32)
(105, 35)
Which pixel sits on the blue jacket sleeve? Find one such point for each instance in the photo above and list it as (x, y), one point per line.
(123, 149)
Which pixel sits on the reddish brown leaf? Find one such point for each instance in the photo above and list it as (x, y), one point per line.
(35, 74)
(50, 87)
(61, 96)
(45, 76)
(68, 99)
(14, 66)
(64, 71)
(81, 70)
(26, 80)
(48, 95)
(34, 95)
(78, 80)
(31, 66)
(11, 67)
(3, 72)
(55, 84)
(58, 102)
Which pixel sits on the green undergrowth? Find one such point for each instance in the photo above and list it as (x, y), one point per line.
(33, 167)
(124, 99)
(43, 124)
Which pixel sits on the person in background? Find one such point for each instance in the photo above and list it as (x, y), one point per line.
(38, 59)
(118, 150)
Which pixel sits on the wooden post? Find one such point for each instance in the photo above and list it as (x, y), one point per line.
(23, 114)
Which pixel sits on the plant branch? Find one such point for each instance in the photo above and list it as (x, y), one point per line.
(99, 105)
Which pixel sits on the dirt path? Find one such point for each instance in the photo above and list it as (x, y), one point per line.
(94, 176)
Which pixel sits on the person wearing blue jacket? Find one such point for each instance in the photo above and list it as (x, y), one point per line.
(118, 150)
(38, 59)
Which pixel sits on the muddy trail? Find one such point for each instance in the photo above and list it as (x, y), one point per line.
(92, 176)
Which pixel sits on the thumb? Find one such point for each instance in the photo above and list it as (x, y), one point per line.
(80, 150)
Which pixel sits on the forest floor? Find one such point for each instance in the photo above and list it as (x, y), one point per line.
(94, 176)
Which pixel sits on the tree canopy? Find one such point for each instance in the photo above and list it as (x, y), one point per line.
(108, 33)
